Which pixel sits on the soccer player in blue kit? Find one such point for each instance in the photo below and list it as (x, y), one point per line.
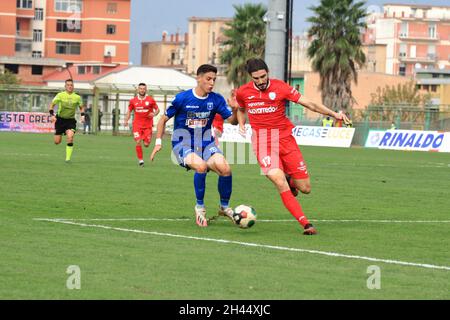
(192, 142)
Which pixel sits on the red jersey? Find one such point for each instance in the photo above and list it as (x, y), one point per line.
(142, 108)
(218, 122)
(266, 109)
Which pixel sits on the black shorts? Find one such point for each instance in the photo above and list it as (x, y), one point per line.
(62, 125)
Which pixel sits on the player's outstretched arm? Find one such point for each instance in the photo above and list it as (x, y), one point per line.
(320, 108)
(160, 128)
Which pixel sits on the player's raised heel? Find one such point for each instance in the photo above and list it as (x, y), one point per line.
(309, 230)
(200, 216)
(227, 212)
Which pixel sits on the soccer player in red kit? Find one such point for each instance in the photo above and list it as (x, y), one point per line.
(145, 108)
(277, 151)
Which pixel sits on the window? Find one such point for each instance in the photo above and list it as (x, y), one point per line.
(24, 4)
(96, 69)
(37, 35)
(110, 51)
(17, 28)
(213, 38)
(23, 45)
(402, 70)
(111, 29)
(194, 28)
(65, 47)
(432, 30)
(69, 5)
(431, 53)
(37, 70)
(404, 29)
(68, 26)
(403, 49)
(81, 70)
(433, 88)
(13, 68)
(37, 54)
(111, 8)
(39, 14)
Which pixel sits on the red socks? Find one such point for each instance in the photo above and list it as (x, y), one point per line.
(294, 207)
(139, 152)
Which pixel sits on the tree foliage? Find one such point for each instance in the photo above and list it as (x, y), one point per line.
(8, 78)
(246, 38)
(402, 94)
(336, 49)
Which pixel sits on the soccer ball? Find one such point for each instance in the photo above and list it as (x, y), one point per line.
(244, 216)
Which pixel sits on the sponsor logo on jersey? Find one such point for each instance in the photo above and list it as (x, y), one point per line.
(262, 110)
(256, 104)
(196, 123)
(192, 107)
(201, 115)
(251, 97)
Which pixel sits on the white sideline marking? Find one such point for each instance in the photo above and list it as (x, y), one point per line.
(259, 220)
(249, 244)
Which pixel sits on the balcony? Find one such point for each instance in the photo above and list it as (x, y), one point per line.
(424, 36)
(429, 58)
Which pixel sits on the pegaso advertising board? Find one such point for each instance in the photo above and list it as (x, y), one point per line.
(304, 135)
(409, 140)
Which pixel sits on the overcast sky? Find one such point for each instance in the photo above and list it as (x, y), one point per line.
(149, 18)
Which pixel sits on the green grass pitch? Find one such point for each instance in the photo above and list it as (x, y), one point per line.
(174, 259)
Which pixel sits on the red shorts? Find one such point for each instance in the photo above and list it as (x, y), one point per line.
(144, 134)
(283, 153)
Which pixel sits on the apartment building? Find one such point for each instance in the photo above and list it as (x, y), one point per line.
(205, 45)
(169, 52)
(89, 32)
(416, 37)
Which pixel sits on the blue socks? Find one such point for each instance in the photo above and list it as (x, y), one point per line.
(225, 187)
(200, 186)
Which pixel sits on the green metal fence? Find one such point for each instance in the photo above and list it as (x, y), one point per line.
(110, 103)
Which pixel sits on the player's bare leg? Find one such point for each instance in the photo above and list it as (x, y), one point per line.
(220, 165)
(303, 185)
(57, 139)
(278, 178)
(296, 185)
(200, 167)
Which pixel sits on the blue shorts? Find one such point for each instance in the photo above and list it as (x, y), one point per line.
(182, 151)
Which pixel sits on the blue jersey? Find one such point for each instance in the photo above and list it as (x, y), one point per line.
(194, 116)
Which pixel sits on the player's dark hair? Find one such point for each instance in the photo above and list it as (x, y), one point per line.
(255, 64)
(205, 68)
(69, 80)
(142, 84)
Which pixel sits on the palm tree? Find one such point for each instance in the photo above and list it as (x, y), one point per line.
(336, 49)
(246, 39)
